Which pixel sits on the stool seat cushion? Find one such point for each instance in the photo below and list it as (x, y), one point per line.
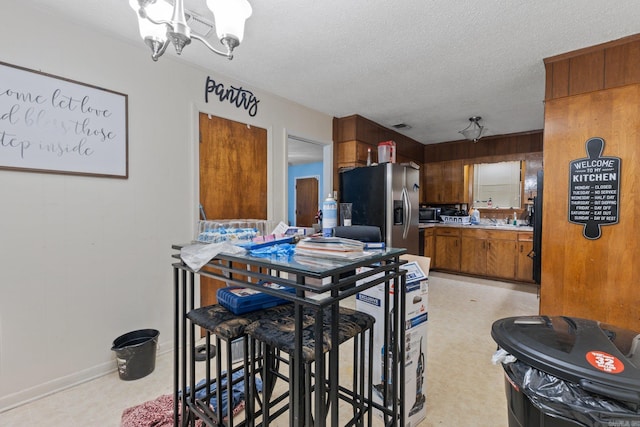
(278, 329)
(223, 323)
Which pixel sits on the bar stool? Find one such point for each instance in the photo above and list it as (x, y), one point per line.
(205, 399)
(278, 332)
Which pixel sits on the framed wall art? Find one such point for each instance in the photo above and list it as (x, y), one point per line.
(55, 125)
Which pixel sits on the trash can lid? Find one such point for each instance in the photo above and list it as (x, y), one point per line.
(601, 358)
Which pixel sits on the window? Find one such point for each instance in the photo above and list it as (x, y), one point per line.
(498, 182)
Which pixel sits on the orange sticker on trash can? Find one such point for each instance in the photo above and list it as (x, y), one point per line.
(605, 362)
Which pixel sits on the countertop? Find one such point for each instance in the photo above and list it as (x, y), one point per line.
(488, 226)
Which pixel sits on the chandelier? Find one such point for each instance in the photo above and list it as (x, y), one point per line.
(473, 132)
(161, 24)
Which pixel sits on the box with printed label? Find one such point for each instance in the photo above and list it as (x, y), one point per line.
(371, 301)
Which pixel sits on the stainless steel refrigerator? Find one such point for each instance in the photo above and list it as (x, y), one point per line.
(386, 196)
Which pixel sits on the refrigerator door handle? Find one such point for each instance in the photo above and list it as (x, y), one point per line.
(407, 212)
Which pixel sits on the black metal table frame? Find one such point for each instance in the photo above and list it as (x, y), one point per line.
(225, 268)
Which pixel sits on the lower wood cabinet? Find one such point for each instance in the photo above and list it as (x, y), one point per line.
(489, 253)
(500, 254)
(524, 271)
(429, 243)
(474, 259)
(447, 248)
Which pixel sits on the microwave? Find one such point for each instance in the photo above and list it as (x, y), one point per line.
(429, 215)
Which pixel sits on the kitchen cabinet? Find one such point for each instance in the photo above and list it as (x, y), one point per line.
(429, 242)
(501, 257)
(484, 252)
(488, 253)
(473, 259)
(444, 182)
(354, 135)
(524, 271)
(354, 154)
(447, 248)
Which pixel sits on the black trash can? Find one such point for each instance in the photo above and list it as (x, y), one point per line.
(136, 353)
(569, 372)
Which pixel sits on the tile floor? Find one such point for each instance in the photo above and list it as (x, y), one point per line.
(463, 388)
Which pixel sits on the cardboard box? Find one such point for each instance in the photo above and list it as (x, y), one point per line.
(371, 301)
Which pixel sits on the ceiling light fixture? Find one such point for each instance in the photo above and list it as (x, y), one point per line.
(473, 132)
(160, 24)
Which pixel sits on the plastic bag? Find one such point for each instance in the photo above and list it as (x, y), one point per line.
(195, 256)
(501, 356)
(279, 251)
(556, 397)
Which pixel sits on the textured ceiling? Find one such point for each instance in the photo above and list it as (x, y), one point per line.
(428, 63)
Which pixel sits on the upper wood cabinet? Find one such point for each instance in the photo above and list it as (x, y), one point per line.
(354, 154)
(353, 135)
(444, 182)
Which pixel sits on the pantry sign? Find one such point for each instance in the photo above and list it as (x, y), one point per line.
(594, 189)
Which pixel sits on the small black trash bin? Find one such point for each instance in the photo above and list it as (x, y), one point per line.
(569, 372)
(136, 353)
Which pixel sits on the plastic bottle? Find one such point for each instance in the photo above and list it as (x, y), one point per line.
(515, 219)
(329, 216)
(489, 203)
(475, 216)
(368, 156)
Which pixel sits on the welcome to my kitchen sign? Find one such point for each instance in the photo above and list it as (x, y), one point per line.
(594, 189)
(50, 124)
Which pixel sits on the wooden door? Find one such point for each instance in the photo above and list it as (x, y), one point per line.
(501, 258)
(233, 177)
(306, 201)
(524, 270)
(453, 185)
(433, 183)
(448, 252)
(473, 259)
(429, 244)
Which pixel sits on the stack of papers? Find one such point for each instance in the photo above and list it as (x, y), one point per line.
(330, 247)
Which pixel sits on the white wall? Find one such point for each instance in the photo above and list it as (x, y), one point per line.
(86, 259)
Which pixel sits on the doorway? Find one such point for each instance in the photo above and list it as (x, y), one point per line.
(232, 177)
(306, 196)
(307, 159)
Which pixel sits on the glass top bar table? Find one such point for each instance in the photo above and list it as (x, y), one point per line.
(320, 283)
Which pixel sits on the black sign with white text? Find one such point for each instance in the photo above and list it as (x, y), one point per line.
(594, 189)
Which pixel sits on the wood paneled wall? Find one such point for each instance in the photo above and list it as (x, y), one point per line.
(592, 93)
(501, 147)
(351, 129)
(358, 128)
(601, 67)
